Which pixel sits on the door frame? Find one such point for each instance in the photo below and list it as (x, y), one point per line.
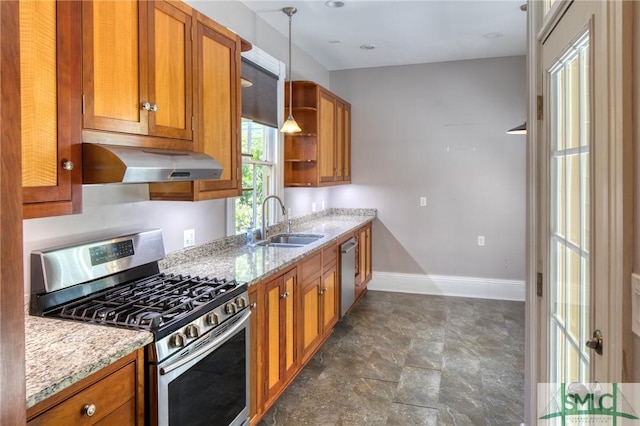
(615, 178)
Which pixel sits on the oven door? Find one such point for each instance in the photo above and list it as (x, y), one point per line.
(210, 385)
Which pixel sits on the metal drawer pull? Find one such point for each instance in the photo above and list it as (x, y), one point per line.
(284, 295)
(89, 410)
(68, 165)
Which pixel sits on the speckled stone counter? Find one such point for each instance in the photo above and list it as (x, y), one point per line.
(252, 264)
(60, 353)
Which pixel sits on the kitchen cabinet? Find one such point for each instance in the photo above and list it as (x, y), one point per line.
(320, 155)
(137, 76)
(217, 106)
(364, 257)
(113, 395)
(318, 300)
(257, 306)
(310, 304)
(280, 357)
(50, 69)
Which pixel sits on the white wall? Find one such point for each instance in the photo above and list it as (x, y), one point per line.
(438, 130)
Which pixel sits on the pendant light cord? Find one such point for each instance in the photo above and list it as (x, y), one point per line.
(290, 82)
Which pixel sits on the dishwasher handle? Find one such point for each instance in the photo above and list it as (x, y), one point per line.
(349, 245)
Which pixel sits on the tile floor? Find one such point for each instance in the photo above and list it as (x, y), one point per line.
(406, 359)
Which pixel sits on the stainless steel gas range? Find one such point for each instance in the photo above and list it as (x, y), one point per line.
(197, 369)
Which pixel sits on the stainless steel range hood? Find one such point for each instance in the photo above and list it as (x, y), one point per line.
(123, 164)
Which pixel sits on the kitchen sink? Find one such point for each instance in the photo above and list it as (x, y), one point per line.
(290, 240)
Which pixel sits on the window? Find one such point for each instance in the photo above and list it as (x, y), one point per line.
(258, 152)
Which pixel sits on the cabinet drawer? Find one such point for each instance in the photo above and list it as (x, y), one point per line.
(310, 268)
(329, 254)
(113, 394)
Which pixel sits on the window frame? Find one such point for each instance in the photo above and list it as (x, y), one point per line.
(277, 67)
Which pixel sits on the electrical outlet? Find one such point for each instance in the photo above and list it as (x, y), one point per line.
(423, 201)
(313, 207)
(322, 204)
(481, 240)
(189, 237)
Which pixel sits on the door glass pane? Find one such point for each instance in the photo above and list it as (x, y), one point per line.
(569, 208)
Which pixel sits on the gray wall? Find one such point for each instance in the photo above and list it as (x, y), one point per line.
(438, 130)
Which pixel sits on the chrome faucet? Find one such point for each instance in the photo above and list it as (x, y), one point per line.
(263, 230)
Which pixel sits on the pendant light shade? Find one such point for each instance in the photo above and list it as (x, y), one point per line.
(290, 125)
(518, 130)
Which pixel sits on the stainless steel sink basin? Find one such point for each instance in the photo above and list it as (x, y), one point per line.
(291, 240)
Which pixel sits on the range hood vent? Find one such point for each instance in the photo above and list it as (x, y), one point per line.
(124, 164)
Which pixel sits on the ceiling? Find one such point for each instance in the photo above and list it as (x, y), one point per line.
(404, 32)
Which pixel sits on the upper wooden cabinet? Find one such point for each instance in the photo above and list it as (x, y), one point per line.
(50, 69)
(217, 105)
(320, 155)
(137, 72)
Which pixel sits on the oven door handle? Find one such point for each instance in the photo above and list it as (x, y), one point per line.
(214, 343)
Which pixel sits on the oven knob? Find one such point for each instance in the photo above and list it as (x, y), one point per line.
(230, 308)
(212, 319)
(241, 302)
(192, 331)
(178, 340)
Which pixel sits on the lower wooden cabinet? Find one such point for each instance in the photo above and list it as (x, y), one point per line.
(280, 358)
(293, 313)
(363, 260)
(111, 396)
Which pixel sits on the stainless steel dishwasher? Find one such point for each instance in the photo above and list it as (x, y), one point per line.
(348, 274)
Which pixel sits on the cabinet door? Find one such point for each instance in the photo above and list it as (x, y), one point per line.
(218, 99)
(326, 136)
(289, 309)
(274, 319)
(169, 66)
(310, 318)
(50, 68)
(280, 356)
(340, 140)
(329, 298)
(256, 304)
(114, 66)
(346, 153)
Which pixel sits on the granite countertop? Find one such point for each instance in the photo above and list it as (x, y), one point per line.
(252, 264)
(60, 353)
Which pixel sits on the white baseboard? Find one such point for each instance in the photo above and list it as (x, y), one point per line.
(443, 285)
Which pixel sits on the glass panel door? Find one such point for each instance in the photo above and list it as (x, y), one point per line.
(569, 239)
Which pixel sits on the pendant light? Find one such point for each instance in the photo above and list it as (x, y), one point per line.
(290, 125)
(518, 130)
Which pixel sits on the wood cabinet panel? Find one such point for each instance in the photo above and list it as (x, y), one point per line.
(310, 318)
(170, 72)
(256, 304)
(114, 67)
(280, 313)
(50, 67)
(326, 137)
(320, 155)
(329, 298)
(116, 393)
(364, 259)
(217, 101)
(137, 72)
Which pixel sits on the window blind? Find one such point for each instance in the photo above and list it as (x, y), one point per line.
(260, 101)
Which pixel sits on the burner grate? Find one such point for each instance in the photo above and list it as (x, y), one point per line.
(150, 303)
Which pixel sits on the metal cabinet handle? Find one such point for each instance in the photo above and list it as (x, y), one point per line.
(89, 410)
(253, 306)
(154, 107)
(284, 295)
(146, 106)
(596, 342)
(68, 165)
